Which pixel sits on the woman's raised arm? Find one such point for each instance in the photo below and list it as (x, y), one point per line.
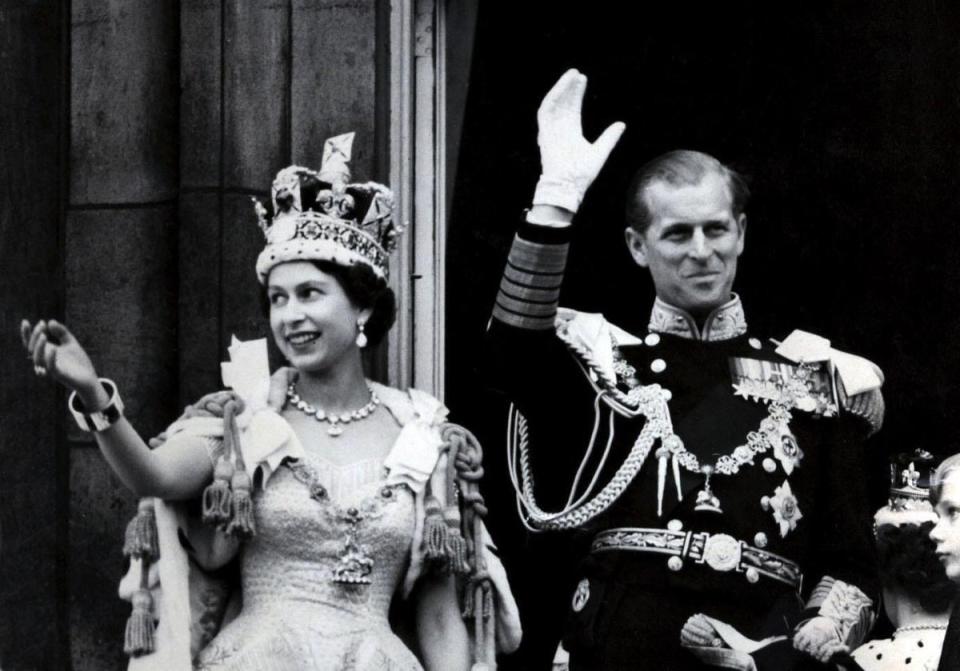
(178, 469)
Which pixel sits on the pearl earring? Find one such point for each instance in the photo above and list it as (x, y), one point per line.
(361, 336)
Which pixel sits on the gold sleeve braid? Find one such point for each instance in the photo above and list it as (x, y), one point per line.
(530, 287)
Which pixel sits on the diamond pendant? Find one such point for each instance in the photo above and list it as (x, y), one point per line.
(354, 566)
(334, 430)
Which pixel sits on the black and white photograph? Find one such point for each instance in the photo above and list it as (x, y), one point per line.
(441, 335)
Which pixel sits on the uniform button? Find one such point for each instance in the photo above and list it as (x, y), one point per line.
(652, 339)
(675, 563)
(769, 465)
(674, 525)
(752, 575)
(658, 365)
(667, 394)
(755, 343)
(760, 540)
(765, 502)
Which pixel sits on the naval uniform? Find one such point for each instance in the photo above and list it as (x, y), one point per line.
(780, 532)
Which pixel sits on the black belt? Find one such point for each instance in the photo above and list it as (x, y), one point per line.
(720, 552)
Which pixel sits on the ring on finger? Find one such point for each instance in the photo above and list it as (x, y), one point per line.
(40, 370)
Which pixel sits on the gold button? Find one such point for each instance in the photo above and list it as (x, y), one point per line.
(652, 339)
(658, 365)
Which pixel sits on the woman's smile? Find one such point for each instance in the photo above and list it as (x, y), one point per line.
(303, 338)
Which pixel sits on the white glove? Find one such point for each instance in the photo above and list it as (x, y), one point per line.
(818, 638)
(568, 162)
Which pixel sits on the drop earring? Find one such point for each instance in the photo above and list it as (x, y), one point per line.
(361, 336)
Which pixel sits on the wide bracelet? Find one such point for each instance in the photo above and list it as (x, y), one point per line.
(102, 419)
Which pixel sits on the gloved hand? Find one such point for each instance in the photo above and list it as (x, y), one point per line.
(818, 638)
(569, 163)
(698, 632)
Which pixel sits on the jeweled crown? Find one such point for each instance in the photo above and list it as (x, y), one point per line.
(319, 215)
(909, 500)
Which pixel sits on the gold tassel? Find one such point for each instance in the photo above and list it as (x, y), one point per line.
(435, 533)
(242, 525)
(457, 552)
(139, 636)
(140, 540)
(217, 498)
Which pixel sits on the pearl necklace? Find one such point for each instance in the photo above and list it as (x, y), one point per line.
(921, 627)
(335, 421)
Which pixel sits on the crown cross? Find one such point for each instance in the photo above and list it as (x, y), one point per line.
(910, 476)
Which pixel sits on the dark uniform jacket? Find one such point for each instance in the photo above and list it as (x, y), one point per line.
(783, 538)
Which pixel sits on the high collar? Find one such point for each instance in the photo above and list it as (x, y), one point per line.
(724, 323)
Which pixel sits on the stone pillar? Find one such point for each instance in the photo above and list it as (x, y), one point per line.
(120, 277)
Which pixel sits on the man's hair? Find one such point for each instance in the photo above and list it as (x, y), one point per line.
(936, 482)
(681, 167)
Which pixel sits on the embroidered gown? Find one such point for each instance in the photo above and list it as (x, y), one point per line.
(319, 527)
(295, 615)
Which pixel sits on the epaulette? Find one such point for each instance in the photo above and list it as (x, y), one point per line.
(591, 339)
(858, 381)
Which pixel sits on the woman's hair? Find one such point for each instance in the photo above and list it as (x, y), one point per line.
(365, 289)
(908, 563)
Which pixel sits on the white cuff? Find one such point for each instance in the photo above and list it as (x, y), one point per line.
(559, 193)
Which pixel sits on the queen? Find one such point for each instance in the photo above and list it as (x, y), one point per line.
(333, 493)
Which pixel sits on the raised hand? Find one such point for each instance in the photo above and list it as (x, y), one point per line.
(569, 162)
(54, 351)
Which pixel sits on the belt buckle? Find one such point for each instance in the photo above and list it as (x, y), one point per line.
(722, 552)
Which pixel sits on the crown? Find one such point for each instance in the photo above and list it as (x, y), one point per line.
(320, 216)
(909, 490)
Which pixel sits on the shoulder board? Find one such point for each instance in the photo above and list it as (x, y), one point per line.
(857, 374)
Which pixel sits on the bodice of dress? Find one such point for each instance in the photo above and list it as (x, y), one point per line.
(314, 519)
(303, 536)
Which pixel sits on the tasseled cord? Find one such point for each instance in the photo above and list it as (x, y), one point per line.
(465, 468)
(141, 543)
(435, 532)
(217, 498)
(140, 540)
(242, 524)
(228, 500)
(139, 638)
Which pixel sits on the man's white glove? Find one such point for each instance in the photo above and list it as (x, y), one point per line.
(568, 162)
(818, 638)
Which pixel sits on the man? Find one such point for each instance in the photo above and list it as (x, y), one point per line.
(945, 496)
(714, 480)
